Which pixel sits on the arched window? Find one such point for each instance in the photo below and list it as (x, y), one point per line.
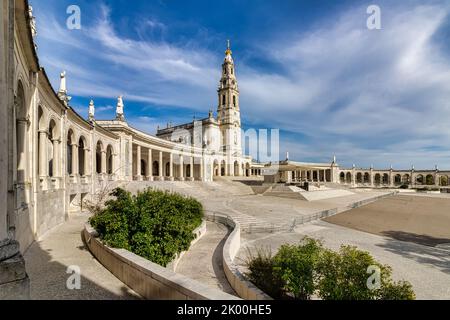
(81, 157)
(377, 178)
(168, 169)
(98, 157)
(50, 149)
(234, 101)
(155, 168)
(348, 177)
(359, 177)
(109, 159)
(143, 168)
(223, 99)
(366, 177)
(70, 137)
(188, 171)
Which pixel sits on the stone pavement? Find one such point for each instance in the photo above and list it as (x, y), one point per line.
(47, 261)
(420, 219)
(203, 261)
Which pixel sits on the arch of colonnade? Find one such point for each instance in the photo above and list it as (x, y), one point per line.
(393, 178)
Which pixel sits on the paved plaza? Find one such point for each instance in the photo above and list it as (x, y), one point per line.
(420, 219)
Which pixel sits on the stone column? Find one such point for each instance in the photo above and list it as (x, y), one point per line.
(103, 155)
(171, 166)
(391, 178)
(43, 167)
(191, 173)
(74, 159)
(150, 165)
(181, 171)
(138, 163)
(87, 162)
(201, 169)
(160, 163)
(56, 158)
(21, 159)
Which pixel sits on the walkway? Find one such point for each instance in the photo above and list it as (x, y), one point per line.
(203, 261)
(47, 261)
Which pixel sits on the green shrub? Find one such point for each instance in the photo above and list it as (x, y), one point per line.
(261, 272)
(343, 274)
(308, 268)
(401, 290)
(156, 225)
(296, 266)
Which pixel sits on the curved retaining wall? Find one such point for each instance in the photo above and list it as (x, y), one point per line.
(244, 288)
(149, 279)
(199, 232)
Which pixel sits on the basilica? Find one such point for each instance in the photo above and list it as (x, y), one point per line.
(52, 159)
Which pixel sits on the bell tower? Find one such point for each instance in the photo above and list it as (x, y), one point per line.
(228, 112)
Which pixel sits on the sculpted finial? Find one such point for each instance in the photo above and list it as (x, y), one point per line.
(91, 110)
(119, 108)
(62, 82)
(62, 93)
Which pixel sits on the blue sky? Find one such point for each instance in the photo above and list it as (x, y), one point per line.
(309, 68)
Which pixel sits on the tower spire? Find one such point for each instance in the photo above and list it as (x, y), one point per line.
(228, 111)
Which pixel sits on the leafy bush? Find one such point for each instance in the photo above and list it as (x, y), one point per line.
(261, 272)
(296, 266)
(401, 290)
(309, 269)
(343, 275)
(156, 225)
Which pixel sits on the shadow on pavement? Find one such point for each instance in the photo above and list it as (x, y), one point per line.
(419, 248)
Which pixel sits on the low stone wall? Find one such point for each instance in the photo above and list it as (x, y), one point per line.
(244, 288)
(199, 232)
(149, 279)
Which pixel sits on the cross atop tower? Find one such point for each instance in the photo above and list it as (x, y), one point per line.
(228, 52)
